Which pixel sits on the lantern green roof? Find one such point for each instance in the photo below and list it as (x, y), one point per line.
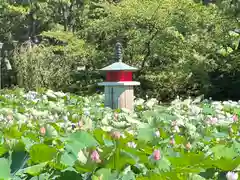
(117, 66)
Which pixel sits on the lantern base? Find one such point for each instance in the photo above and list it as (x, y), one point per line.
(119, 94)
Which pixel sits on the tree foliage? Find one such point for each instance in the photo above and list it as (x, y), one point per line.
(181, 47)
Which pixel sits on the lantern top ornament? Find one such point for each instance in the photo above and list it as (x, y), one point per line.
(119, 65)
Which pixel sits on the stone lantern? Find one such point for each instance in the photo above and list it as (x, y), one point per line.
(118, 85)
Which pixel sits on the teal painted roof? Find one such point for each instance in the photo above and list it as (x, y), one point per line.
(117, 66)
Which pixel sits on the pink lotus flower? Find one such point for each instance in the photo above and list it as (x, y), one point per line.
(188, 146)
(156, 155)
(115, 116)
(42, 131)
(95, 157)
(232, 176)
(235, 118)
(9, 117)
(116, 135)
(212, 120)
(172, 141)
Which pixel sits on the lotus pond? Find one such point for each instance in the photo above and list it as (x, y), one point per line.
(53, 135)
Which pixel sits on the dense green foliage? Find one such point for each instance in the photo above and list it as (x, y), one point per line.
(52, 135)
(182, 47)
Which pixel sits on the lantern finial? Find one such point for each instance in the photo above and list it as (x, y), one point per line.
(118, 52)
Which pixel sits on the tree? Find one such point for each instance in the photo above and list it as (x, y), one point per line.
(176, 44)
